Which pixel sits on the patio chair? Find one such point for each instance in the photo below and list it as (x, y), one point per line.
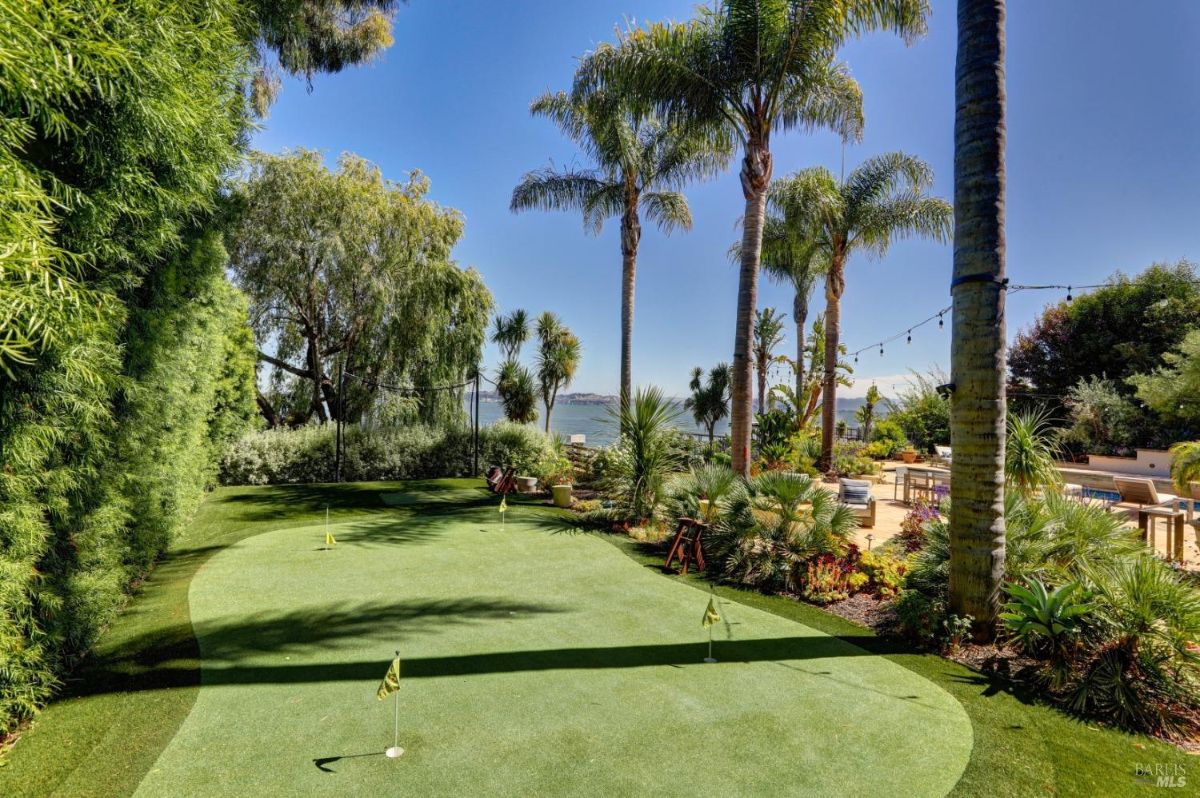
(856, 494)
(1140, 492)
(943, 455)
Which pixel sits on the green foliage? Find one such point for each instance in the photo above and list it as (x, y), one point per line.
(773, 433)
(510, 333)
(851, 459)
(1046, 622)
(1173, 389)
(347, 267)
(1031, 452)
(922, 414)
(887, 439)
(557, 359)
(1102, 420)
(639, 463)
(517, 391)
(1185, 466)
(770, 529)
(709, 401)
(306, 454)
(884, 572)
(1114, 332)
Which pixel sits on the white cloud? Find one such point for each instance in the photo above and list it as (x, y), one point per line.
(889, 385)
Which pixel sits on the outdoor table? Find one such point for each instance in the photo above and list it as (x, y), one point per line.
(1174, 519)
(928, 474)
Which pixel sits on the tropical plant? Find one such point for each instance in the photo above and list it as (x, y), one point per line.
(1185, 465)
(756, 68)
(1102, 420)
(1031, 452)
(788, 259)
(1172, 390)
(518, 392)
(977, 412)
(884, 199)
(1046, 622)
(1144, 671)
(768, 334)
(865, 415)
(709, 401)
(641, 162)
(347, 268)
(772, 437)
(643, 456)
(922, 412)
(557, 359)
(772, 530)
(887, 438)
(716, 484)
(510, 333)
(807, 405)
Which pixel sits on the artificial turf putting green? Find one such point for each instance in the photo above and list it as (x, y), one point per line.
(534, 663)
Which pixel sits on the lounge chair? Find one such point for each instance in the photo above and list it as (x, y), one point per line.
(856, 494)
(943, 455)
(1140, 492)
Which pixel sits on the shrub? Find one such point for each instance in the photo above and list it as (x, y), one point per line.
(922, 413)
(920, 617)
(887, 439)
(416, 452)
(850, 459)
(883, 573)
(635, 468)
(912, 529)
(1045, 622)
(827, 579)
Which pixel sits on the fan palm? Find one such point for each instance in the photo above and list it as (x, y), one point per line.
(557, 359)
(640, 163)
(977, 411)
(757, 68)
(883, 199)
(768, 334)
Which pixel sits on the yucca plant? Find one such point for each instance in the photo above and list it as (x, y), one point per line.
(1031, 451)
(643, 456)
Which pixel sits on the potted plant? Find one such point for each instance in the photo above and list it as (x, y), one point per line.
(908, 454)
(557, 472)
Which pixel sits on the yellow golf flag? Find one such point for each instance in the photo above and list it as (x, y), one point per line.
(329, 541)
(503, 503)
(711, 615)
(391, 681)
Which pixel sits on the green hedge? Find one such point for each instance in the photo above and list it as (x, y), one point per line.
(415, 452)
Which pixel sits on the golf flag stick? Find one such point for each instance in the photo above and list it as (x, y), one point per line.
(711, 616)
(389, 685)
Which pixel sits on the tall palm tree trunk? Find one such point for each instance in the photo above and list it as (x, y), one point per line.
(835, 284)
(756, 176)
(631, 235)
(977, 357)
(800, 314)
(762, 386)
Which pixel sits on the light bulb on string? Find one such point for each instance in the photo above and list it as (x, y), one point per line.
(941, 321)
(910, 336)
(881, 350)
(1068, 293)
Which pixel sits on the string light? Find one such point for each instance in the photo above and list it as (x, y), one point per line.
(941, 321)
(1068, 293)
(910, 337)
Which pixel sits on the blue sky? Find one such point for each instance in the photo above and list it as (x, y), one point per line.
(1103, 167)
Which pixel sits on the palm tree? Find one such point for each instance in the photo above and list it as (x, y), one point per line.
(517, 394)
(865, 415)
(510, 333)
(640, 163)
(709, 402)
(789, 259)
(768, 334)
(757, 68)
(1030, 452)
(977, 408)
(882, 200)
(557, 359)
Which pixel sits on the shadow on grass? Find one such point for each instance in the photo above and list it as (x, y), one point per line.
(323, 762)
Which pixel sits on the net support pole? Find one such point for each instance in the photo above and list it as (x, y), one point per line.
(475, 432)
(337, 455)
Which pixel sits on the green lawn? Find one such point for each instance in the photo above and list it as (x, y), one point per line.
(537, 660)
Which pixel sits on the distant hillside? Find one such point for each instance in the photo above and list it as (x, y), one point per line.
(845, 405)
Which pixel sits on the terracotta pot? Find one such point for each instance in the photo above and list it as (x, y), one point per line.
(908, 457)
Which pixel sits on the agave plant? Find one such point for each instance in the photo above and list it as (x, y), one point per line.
(1047, 621)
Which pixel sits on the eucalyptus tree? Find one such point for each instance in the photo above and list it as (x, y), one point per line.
(640, 162)
(756, 67)
(977, 357)
(349, 268)
(510, 333)
(709, 401)
(885, 198)
(557, 359)
(787, 258)
(768, 334)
